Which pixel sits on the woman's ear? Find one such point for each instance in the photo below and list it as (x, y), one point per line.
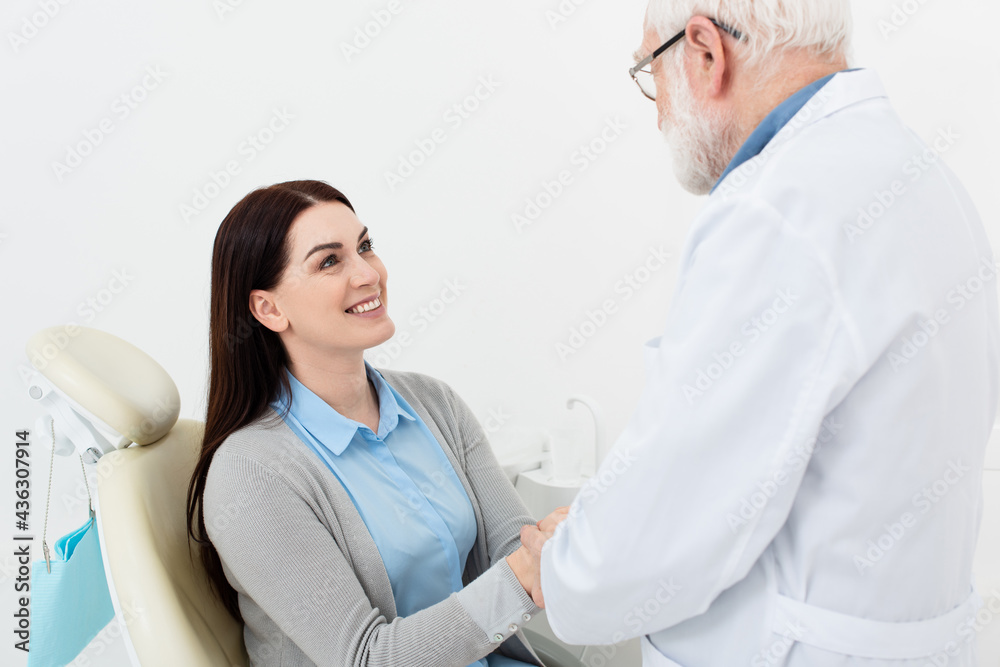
(265, 309)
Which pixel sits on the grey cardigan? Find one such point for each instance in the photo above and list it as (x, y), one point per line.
(311, 583)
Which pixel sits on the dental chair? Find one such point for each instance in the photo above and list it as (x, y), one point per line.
(117, 407)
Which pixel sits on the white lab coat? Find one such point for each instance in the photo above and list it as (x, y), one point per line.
(814, 419)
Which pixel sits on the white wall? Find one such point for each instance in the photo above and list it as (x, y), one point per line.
(224, 71)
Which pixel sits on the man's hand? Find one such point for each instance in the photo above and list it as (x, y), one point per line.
(549, 523)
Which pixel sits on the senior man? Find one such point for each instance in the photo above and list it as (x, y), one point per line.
(801, 481)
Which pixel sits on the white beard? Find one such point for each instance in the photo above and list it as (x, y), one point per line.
(703, 142)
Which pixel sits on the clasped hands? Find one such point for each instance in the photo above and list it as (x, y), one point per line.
(526, 561)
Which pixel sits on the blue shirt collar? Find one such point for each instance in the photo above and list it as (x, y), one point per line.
(331, 428)
(772, 124)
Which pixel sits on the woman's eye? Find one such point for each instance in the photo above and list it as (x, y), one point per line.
(367, 245)
(328, 262)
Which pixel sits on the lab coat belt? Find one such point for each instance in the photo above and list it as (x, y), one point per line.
(865, 638)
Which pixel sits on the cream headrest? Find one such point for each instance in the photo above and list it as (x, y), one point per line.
(115, 381)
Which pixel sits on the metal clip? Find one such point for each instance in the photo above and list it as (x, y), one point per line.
(45, 550)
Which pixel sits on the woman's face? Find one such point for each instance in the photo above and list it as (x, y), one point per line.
(331, 298)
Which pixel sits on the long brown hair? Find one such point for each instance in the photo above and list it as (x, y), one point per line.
(246, 360)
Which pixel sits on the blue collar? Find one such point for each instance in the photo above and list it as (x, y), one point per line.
(772, 124)
(331, 428)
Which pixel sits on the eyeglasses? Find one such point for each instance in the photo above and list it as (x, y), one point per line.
(643, 77)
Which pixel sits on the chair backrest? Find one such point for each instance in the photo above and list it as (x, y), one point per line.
(112, 382)
(162, 591)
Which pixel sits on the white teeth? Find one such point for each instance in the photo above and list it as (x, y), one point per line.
(365, 307)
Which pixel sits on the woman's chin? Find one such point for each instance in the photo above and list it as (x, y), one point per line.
(387, 330)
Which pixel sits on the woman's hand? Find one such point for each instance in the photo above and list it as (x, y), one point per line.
(525, 568)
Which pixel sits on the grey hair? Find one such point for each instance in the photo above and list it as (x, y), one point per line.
(822, 27)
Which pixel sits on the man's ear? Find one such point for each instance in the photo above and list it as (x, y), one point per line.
(265, 309)
(710, 61)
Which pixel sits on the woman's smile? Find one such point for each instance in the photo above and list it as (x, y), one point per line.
(371, 307)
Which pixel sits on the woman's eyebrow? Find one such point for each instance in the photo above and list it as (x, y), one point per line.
(333, 246)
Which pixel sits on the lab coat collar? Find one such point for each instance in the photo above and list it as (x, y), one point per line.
(334, 431)
(772, 124)
(805, 108)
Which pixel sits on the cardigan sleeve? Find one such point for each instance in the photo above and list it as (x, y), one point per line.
(278, 553)
(495, 598)
(503, 510)
(503, 513)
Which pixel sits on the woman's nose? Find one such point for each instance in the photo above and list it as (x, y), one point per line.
(363, 273)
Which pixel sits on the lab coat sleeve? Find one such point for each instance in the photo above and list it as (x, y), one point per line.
(757, 349)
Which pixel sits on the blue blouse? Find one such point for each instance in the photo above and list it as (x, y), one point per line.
(404, 488)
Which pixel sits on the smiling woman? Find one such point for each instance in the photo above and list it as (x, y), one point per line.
(367, 521)
(332, 263)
